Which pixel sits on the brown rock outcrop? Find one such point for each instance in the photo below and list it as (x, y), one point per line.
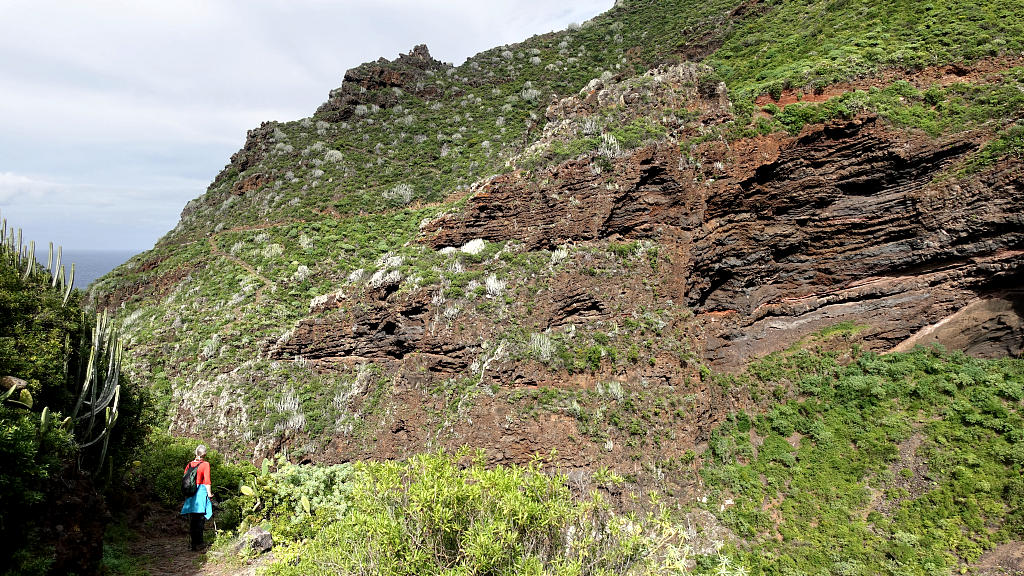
(370, 83)
(771, 240)
(650, 196)
(370, 328)
(845, 222)
(992, 326)
(249, 184)
(256, 148)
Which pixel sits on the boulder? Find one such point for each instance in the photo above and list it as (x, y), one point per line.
(8, 382)
(256, 539)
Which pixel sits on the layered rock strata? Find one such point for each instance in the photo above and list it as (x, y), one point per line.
(843, 223)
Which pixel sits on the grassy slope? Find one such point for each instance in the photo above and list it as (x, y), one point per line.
(905, 463)
(814, 44)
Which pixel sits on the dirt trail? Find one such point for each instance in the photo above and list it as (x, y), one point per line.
(167, 555)
(215, 248)
(161, 547)
(943, 75)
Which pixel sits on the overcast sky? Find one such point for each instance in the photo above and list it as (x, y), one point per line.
(114, 114)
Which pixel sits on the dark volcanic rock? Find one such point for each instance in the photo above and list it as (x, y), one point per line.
(845, 222)
(651, 196)
(256, 539)
(372, 83)
(389, 328)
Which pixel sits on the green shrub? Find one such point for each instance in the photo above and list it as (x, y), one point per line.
(33, 459)
(816, 43)
(450, 514)
(296, 501)
(854, 420)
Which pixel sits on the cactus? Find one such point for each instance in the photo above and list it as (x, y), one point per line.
(101, 391)
(71, 283)
(57, 271)
(45, 419)
(12, 246)
(24, 397)
(30, 266)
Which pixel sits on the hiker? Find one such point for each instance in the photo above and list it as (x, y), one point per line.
(199, 506)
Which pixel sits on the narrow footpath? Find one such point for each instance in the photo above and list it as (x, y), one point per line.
(161, 547)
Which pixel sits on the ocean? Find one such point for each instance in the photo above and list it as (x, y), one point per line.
(90, 264)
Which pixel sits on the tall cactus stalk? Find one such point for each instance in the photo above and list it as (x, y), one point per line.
(70, 285)
(30, 265)
(10, 245)
(57, 270)
(96, 410)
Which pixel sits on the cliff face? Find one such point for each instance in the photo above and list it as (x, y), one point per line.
(780, 238)
(843, 223)
(555, 244)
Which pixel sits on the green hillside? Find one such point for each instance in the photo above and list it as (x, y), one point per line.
(852, 464)
(332, 198)
(826, 458)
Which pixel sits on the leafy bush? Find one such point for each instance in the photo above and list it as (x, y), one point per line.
(296, 500)
(450, 514)
(33, 458)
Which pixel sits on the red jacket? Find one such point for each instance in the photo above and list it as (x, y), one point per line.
(202, 474)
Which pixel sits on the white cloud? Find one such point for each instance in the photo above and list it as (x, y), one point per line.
(18, 188)
(83, 215)
(102, 97)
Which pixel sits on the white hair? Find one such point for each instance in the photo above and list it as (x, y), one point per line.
(200, 451)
